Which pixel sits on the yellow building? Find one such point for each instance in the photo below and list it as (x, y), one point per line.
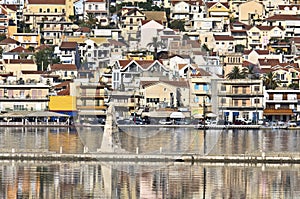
(27, 39)
(15, 66)
(62, 103)
(36, 11)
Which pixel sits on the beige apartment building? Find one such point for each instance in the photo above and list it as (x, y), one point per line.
(240, 98)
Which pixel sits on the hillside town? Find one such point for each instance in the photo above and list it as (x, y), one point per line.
(218, 59)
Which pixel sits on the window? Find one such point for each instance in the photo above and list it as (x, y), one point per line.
(223, 88)
(96, 7)
(41, 10)
(90, 7)
(244, 90)
(244, 102)
(256, 101)
(196, 87)
(55, 10)
(256, 88)
(48, 9)
(223, 100)
(165, 89)
(66, 73)
(236, 102)
(235, 89)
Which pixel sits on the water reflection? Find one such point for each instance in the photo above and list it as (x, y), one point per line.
(151, 140)
(103, 180)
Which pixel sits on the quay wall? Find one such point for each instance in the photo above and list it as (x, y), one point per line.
(166, 158)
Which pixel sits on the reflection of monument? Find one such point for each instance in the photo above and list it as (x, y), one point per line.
(110, 139)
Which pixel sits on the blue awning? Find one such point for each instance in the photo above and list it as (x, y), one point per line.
(226, 113)
(236, 113)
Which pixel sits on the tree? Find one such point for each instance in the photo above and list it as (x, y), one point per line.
(294, 86)
(155, 44)
(270, 81)
(177, 24)
(235, 73)
(250, 72)
(45, 57)
(239, 48)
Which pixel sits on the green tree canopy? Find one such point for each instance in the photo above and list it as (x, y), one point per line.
(235, 73)
(177, 24)
(44, 58)
(270, 80)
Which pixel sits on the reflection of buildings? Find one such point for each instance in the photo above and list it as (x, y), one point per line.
(125, 180)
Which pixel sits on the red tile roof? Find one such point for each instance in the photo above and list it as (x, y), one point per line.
(211, 4)
(8, 41)
(223, 38)
(283, 18)
(47, 2)
(19, 61)
(268, 62)
(83, 29)
(63, 67)
(10, 6)
(33, 72)
(20, 49)
(68, 45)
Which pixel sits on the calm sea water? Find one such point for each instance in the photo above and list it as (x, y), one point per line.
(19, 179)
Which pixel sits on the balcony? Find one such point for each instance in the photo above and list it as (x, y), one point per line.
(92, 107)
(279, 100)
(240, 94)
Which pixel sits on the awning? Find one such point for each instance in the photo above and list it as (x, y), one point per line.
(177, 115)
(278, 112)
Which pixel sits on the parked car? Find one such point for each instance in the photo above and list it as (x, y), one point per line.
(125, 122)
(138, 121)
(165, 122)
(242, 121)
(224, 122)
(291, 123)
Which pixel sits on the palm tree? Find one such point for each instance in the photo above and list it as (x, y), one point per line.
(155, 44)
(250, 72)
(235, 73)
(270, 80)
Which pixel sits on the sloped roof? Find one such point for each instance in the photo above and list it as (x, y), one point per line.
(182, 84)
(68, 45)
(83, 29)
(223, 38)
(271, 62)
(63, 67)
(10, 6)
(211, 4)
(156, 15)
(8, 41)
(283, 18)
(33, 72)
(42, 47)
(20, 49)
(19, 61)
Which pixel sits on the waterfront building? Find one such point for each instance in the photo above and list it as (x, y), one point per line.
(20, 96)
(241, 98)
(63, 101)
(91, 99)
(164, 94)
(281, 104)
(200, 92)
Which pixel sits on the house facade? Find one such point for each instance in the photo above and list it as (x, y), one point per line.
(241, 98)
